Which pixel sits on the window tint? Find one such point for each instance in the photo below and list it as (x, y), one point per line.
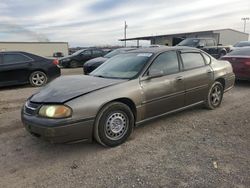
(97, 52)
(210, 42)
(15, 58)
(242, 44)
(241, 52)
(86, 53)
(192, 60)
(166, 62)
(202, 42)
(207, 58)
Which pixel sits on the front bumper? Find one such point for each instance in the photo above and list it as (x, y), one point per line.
(59, 131)
(64, 63)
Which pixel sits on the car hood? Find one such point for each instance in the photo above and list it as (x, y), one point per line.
(66, 88)
(95, 60)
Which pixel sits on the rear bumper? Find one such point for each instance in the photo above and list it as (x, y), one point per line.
(229, 82)
(54, 72)
(59, 132)
(88, 69)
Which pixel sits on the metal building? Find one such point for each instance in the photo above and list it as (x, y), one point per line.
(222, 36)
(46, 49)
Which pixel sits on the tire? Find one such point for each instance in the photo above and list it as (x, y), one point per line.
(73, 64)
(38, 79)
(222, 53)
(215, 96)
(114, 124)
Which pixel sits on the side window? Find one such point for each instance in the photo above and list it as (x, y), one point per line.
(86, 53)
(166, 62)
(207, 58)
(15, 58)
(202, 42)
(210, 42)
(97, 53)
(192, 60)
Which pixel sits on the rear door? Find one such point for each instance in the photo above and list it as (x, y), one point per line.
(97, 53)
(197, 76)
(86, 55)
(164, 93)
(14, 68)
(211, 47)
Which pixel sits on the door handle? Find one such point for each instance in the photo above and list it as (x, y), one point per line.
(179, 78)
(209, 71)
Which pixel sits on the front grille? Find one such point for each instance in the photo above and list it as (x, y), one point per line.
(31, 108)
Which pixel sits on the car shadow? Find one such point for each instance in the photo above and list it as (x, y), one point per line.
(14, 87)
(242, 83)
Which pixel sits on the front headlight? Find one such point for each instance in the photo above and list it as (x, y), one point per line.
(55, 111)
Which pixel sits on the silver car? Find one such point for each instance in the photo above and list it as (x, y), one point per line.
(125, 91)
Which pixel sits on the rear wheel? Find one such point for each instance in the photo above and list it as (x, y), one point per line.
(114, 124)
(215, 96)
(73, 64)
(38, 78)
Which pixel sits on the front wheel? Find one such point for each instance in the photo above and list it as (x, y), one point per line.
(114, 124)
(214, 96)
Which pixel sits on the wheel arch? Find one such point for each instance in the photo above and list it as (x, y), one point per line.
(130, 103)
(222, 81)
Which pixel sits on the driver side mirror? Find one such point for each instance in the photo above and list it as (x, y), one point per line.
(153, 73)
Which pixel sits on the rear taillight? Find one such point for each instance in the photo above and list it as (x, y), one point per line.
(247, 63)
(55, 61)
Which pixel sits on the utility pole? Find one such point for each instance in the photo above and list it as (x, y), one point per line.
(245, 19)
(125, 34)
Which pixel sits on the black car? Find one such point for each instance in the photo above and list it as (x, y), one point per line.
(80, 57)
(92, 64)
(22, 68)
(208, 45)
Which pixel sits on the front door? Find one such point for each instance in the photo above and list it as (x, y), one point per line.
(164, 89)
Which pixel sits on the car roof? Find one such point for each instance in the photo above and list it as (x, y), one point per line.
(156, 50)
(12, 52)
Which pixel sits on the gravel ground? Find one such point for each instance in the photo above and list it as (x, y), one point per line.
(193, 148)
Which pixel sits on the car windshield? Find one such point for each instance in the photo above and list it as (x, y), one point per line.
(78, 52)
(240, 52)
(189, 42)
(242, 44)
(113, 53)
(123, 66)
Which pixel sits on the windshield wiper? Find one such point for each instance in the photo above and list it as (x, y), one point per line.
(100, 76)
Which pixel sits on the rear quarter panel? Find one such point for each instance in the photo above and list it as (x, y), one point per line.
(223, 70)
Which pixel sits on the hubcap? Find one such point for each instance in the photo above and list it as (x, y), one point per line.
(116, 125)
(38, 79)
(216, 95)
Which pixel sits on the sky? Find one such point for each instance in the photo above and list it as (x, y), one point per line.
(101, 22)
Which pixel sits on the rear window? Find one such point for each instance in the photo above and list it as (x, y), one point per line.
(242, 44)
(240, 52)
